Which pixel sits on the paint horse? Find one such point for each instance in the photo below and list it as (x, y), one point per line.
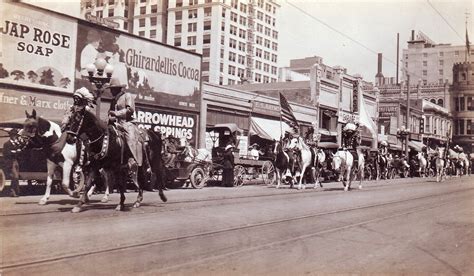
(281, 163)
(39, 133)
(342, 162)
(309, 159)
(109, 152)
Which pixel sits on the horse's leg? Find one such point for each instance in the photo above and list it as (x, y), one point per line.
(84, 196)
(361, 176)
(278, 177)
(139, 180)
(301, 178)
(67, 167)
(107, 181)
(49, 181)
(122, 186)
(315, 175)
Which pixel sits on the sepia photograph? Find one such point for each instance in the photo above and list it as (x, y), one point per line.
(236, 137)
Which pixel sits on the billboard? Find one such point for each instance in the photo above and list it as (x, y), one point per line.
(36, 50)
(178, 124)
(155, 73)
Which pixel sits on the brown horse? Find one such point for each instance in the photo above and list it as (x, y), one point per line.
(106, 153)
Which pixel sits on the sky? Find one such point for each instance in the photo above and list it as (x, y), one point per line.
(328, 28)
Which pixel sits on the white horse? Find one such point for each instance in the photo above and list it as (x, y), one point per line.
(44, 134)
(342, 162)
(422, 164)
(360, 166)
(318, 164)
(305, 154)
(465, 163)
(440, 163)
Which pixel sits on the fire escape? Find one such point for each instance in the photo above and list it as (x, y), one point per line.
(250, 29)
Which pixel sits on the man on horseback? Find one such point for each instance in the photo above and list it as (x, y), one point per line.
(121, 113)
(350, 135)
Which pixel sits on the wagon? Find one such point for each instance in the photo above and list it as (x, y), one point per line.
(245, 169)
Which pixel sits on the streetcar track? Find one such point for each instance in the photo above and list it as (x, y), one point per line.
(249, 226)
(290, 192)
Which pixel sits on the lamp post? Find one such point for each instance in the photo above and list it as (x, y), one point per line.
(402, 134)
(99, 73)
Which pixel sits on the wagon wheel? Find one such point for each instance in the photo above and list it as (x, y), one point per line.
(3, 179)
(77, 180)
(198, 178)
(268, 172)
(239, 172)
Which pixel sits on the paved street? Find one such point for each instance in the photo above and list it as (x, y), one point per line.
(402, 226)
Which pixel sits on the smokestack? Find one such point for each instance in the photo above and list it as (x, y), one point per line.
(412, 35)
(379, 66)
(398, 54)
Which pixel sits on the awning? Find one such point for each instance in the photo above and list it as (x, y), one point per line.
(327, 132)
(267, 129)
(418, 146)
(395, 146)
(230, 126)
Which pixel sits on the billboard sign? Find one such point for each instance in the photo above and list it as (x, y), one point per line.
(157, 74)
(36, 50)
(179, 125)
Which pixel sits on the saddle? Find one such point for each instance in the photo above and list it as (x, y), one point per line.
(59, 144)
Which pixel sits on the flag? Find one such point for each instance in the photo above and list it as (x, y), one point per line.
(364, 116)
(468, 46)
(286, 112)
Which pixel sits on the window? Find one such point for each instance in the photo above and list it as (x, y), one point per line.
(125, 13)
(232, 56)
(425, 72)
(242, 33)
(232, 43)
(192, 14)
(242, 46)
(205, 66)
(267, 43)
(152, 33)
(461, 127)
(179, 3)
(469, 129)
(233, 30)
(240, 73)
(193, 2)
(153, 21)
(192, 27)
(233, 16)
(456, 53)
(191, 40)
(177, 28)
(441, 62)
(206, 52)
(259, 28)
(258, 77)
(207, 11)
(222, 67)
(241, 59)
(440, 72)
(125, 26)
(260, 3)
(154, 8)
(275, 34)
(274, 58)
(142, 1)
(111, 12)
(266, 67)
(141, 33)
(207, 25)
(425, 63)
(99, 14)
(425, 55)
(266, 55)
(470, 105)
(178, 15)
(223, 40)
(243, 8)
(456, 103)
(441, 54)
(258, 65)
(266, 79)
(231, 70)
(274, 70)
(243, 21)
(234, 3)
(461, 104)
(141, 22)
(258, 40)
(223, 12)
(111, 2)
(142, 10)
(258, 52)
(267, 31)
(268, 7)
(268, 19)
(274, 46)
(206, 39)
(100, 3)
(260, 15)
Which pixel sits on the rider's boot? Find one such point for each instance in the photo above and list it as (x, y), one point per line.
(132, 173)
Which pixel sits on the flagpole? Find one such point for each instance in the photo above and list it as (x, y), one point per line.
(281, 124)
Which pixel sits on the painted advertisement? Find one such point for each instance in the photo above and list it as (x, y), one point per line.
(177, 124)
(156, 73)
(36, 50)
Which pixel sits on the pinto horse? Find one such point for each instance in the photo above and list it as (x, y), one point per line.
(342, 162)
(281, 163)
(309, 160)
(45, 135)
(105, 150)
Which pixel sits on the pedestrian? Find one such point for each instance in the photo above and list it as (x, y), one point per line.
(228, 166)
(11, 152)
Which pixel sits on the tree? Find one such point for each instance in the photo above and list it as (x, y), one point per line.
(32, 76)
(19, 75)
(64, 82)
(47, 77)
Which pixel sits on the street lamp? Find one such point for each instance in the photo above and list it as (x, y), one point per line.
(99, 73)
(402, 134)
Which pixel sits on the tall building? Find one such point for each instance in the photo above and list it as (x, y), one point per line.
(146, 18)
(430, 62)
(462, 105)
(238, 39)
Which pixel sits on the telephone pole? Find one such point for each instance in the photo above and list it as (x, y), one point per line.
(408, 127)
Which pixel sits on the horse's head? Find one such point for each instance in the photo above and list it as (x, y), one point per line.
(31, 125)
(294, 143)
(336, 162)
(277, 147)
(76, 121)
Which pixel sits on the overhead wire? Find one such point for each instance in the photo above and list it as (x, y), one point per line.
(411, 73)
(445, 20)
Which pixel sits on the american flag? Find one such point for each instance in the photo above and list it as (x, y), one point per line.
(286, 112)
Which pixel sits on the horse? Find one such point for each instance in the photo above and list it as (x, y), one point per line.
(309, 159)
(465, 163)
(381, 166)
(360, 166)
(107, 153)
(39, 133)
(440, 163)
(422, 164)
(281, 162)
(342, 163)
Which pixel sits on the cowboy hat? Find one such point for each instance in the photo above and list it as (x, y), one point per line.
(115, 83)
(228, 146)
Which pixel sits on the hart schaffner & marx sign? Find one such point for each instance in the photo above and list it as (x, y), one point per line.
(35, 50)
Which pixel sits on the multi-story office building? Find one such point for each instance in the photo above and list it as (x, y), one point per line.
(146, 18)
(462, 92)
(237, 38)
(430, 62)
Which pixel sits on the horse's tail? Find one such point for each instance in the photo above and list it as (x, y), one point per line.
(157, 167)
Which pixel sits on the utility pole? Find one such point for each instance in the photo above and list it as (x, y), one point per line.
(408, 126)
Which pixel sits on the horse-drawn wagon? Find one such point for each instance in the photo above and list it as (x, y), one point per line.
(245, 168)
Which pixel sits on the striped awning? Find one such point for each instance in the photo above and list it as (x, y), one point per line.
(418, 146)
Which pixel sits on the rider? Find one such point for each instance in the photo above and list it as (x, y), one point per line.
(383, 149)
(349, 133)
(82, 99)
(121, 113)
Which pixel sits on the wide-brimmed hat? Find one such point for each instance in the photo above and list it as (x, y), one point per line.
(254, 145)
(229, 146)
(115, 83)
